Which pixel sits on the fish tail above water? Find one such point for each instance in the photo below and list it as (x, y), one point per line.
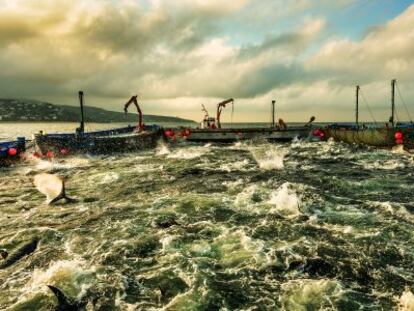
(26, 249)
(64, 303)
(4, 253)
(62, 299)
(62, 196)
(53, 187)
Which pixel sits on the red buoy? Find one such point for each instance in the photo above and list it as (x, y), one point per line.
(317, 133)
(169, 133)
(37, 154)
(398, 135)
(12, 151)
(50, 154)
(185, 133)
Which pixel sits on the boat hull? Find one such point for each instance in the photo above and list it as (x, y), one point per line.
(237, 134)
(380, 137)
(18, 147)
(95, 144)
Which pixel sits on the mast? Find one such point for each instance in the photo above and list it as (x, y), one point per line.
(357, 107)
(82, 123)
(273, 113)
(393, 82)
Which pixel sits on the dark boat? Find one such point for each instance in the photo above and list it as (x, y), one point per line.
(230, 135)
(123, 139)
(212, 131)
(387, 136)
(11, 150)
(378, 137)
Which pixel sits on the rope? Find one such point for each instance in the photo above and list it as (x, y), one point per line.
(405, 106)
(232, 113)
(369, 109)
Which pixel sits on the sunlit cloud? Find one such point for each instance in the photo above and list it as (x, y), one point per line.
(179, 54)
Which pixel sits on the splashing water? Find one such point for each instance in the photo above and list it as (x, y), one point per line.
(162, 149)
(302, 226)
(270, 158)
(286, 202)
(406, 301)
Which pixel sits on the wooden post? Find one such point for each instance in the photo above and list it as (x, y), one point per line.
(273, 113)
(357, 107)
(393, 102)
(82, 123)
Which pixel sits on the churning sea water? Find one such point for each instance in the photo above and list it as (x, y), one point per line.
(248, 226)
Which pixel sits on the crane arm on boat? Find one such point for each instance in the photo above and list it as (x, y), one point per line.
(220, 107)
(134, 100)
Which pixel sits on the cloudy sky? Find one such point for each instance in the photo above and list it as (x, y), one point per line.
(178, 54)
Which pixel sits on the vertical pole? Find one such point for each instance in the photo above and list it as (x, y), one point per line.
(82, 124)
(273, 113)
(393, 101)
(357, 107)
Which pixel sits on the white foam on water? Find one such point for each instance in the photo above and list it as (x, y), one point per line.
(406, 302)
(244, 198)
(67, 272)
(202, 248)
(58, 271)
(68, 163)
(309, 294)
(188, 153)
(286, 202)
(235, 166)
(146, 168)
(237, 250)
(399, 149)
(233, 185)
(167, 242)
(162, 149)
(383, 165)
(269, 158)
(384, 206)
(104, 178)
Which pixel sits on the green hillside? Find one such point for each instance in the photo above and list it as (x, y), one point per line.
(33, 110)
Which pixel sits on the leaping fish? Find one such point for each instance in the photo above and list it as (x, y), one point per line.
(53, 187)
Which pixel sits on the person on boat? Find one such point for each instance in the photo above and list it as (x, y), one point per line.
(282, 125)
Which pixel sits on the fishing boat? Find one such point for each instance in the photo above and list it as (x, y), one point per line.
(11, 150)
(387, 136)
(211, 130)
(130, 138)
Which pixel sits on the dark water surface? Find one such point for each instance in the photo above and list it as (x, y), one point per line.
(250, 226)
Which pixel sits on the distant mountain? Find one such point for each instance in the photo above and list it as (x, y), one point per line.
(33, 110)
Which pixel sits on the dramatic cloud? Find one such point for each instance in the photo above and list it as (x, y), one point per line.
(387, 50)
(179, 54)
